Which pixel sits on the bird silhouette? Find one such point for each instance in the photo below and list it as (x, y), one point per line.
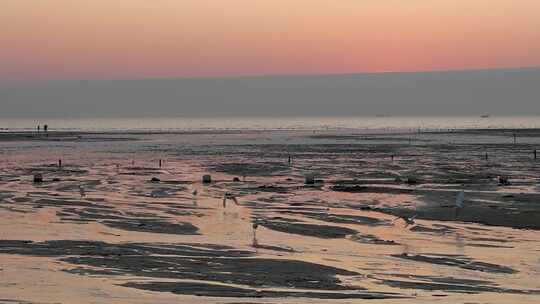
(81, 191)
(230, 196)
(409, 221)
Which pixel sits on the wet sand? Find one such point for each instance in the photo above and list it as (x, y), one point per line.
(140, 234)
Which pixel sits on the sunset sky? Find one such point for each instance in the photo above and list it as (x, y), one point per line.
(125, 39)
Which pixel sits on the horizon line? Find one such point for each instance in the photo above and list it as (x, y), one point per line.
(284, 75)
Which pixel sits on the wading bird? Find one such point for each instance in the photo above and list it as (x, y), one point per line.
(255, 243)
(230, 196)
(194, 197)
(81, 191)
(409, 221)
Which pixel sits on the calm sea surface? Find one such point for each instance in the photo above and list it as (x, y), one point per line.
(265, 123)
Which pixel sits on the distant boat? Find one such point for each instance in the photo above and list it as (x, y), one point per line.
(484, 116)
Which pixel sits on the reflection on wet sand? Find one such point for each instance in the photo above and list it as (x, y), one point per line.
(102, 228)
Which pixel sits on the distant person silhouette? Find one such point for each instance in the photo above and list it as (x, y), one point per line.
(45, 128)
(38, 128)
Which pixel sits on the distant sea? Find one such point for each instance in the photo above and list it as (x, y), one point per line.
(171, 124)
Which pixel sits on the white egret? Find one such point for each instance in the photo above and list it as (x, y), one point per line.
(81, 191)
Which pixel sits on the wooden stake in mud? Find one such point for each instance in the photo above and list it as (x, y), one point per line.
(60, 163)
(290, 160)
(160, 163)
(486, 156)
(534, 153)
(392, 156)
(515, 138)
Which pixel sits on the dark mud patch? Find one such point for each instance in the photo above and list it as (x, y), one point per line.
(277, 219)
(489, 239)
(274, 248)
(64, 248)
(268, 189)
(341, 218)
(320, 231)
(366, 137)
(436, 229)
(513, 215)
(254, 272)
(59, 202)
(22, 199)
(11, 301)
(13, 209)
(129, 221)
(186, 261)
(384, 179)
(371, 189)
(30, 204)
(477, 229)
(184, 212)
(296, 210)
(65, 136)
(169, 205)
(214, 290)
(450, 284)
(251, 169)
(494, 209)
(74, 186)
(99, 213)
(138, 171)
(371, 239)
(457, 261)
(271, 188)
(6, 195)
(90, 214)
(156, 191)
(66, 170)
(487, 245)
(153, 225)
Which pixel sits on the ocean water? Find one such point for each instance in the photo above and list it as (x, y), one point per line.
(389, 124)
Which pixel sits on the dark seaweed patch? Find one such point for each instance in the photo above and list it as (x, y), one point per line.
(213, 290)
(320, 231)
(457, 261)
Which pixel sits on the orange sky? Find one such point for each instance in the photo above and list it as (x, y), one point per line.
(103, 39)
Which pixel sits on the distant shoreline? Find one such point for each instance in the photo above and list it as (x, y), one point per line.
(55, 135)
(174, 125)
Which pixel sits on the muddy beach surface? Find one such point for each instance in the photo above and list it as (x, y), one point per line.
(112, 226)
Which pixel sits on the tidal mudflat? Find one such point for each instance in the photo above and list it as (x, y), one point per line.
(110, 225)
